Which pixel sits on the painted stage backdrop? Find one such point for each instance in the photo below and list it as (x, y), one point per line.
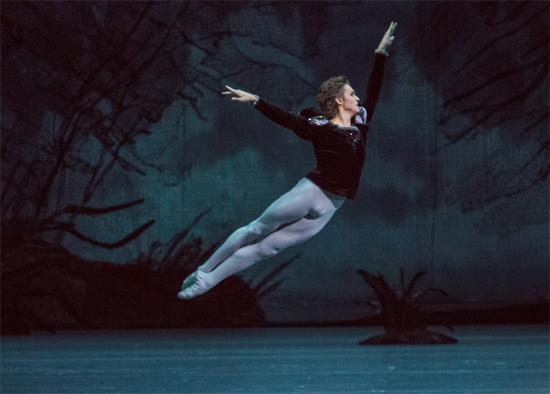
(117, 147)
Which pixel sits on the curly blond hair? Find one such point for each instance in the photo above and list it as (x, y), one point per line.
(328, 92)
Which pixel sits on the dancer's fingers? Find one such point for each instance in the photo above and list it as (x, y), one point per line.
(240, 95)
(391, 28)
(229, 90)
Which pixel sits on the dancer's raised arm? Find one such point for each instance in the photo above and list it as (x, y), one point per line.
(377, 72)
(388, 37)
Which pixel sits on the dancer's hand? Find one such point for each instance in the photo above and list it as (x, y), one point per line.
(240, 95)
(388, 37)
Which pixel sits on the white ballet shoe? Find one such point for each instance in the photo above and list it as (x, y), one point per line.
(188, 282)
(194, 285)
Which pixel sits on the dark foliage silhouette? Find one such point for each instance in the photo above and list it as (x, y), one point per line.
(82, 82)
(45, 287)
(402, 317)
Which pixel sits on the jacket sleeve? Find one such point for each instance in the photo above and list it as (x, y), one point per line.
(374, 84)
(299, 124)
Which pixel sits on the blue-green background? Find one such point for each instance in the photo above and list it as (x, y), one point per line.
(456, 176)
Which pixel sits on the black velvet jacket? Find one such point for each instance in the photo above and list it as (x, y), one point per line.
(340, 151)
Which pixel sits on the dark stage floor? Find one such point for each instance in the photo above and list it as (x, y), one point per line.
(489, 359)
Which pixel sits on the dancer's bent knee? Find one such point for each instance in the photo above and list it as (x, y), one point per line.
(252, 254)
(265, 250)
(255, 231)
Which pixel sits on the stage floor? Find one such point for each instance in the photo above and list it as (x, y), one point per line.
(488, 359)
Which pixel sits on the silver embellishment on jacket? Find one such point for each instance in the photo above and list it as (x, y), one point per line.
(351, 133)
(318, 121)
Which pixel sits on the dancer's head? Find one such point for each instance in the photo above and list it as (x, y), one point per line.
(336, 92)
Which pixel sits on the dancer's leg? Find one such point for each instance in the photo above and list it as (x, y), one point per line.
(298, 203)
(294, 218)
(287, 236)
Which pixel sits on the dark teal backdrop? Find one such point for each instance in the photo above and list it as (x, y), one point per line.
(109, 102)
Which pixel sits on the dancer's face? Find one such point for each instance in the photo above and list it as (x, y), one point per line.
(349, 100)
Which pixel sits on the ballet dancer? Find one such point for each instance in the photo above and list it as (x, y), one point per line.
(338, 137)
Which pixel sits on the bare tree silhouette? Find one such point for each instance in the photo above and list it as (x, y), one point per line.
(489, 62)
(82, 82)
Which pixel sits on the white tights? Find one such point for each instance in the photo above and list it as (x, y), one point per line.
(292, 219)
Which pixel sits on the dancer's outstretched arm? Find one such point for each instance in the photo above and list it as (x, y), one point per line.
(299, 124)
(240, 95)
